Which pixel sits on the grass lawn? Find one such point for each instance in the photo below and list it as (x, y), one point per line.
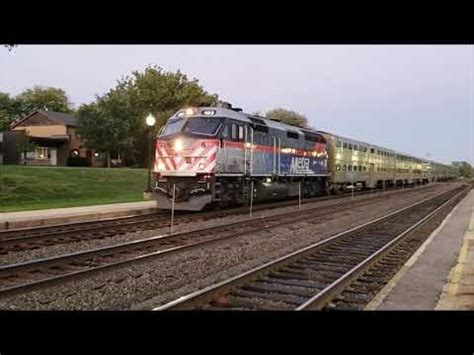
(33, 187)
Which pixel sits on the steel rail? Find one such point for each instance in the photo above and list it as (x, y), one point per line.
(212, 292)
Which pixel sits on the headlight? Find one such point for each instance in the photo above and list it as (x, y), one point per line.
(191, 111)
(178, 145)
(161, 166)
(201, 166)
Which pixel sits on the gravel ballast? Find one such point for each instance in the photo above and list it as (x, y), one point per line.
(157, 281)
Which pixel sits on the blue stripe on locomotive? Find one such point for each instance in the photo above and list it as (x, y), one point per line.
(289, 164)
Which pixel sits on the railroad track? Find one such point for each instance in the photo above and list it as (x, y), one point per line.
(338, 272)
(22, 277)
(39, 237)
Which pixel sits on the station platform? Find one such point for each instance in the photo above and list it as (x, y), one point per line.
(440, 275)
(50, 217)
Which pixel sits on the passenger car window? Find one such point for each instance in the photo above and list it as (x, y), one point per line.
(350, 146)
(338, 167)
(355, 147)
(372, 150)
(338, 144)
(344, 168)
(349, 168)
(344, 145)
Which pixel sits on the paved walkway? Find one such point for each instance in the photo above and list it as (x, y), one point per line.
(458, 293)
(420, 283)
(15, 220)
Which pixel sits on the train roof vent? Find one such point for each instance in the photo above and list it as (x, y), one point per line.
(274, 119)
(236, 109)
(257, 120)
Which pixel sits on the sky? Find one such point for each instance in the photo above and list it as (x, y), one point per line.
(416, 99)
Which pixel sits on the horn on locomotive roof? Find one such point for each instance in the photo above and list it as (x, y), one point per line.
(224, 104)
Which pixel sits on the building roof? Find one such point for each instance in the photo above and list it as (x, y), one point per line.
(60, 117)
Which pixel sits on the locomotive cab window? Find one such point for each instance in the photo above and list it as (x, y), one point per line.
(225, 131)
(173, 126)
(292, 135)
(203, 125)
(233, 133)
(241, 133)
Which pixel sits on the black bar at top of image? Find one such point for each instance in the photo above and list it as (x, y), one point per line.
(236, 27)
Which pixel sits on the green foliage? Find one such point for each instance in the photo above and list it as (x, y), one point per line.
(115, 122)
(37, 98)
(24, 145)
(465, 169)
(288, 117)
(9, 110)
(44, 98)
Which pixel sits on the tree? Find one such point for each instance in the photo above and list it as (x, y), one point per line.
(44, 98)
(288, 117)
(104, 125)
(465, 169)
(123, 109)
(9, 110)
(24, 145)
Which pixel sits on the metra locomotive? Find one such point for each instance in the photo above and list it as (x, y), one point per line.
(220, 155)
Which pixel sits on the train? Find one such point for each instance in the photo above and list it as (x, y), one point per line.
(221, 156)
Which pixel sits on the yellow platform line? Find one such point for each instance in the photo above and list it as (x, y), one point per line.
(380, 297)
(450, 290)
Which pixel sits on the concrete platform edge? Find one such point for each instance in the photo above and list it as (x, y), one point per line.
(458, 293)
(379, 298)
(60, 220)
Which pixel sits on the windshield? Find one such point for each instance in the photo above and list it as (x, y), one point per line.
(203, 125)
(173, 126)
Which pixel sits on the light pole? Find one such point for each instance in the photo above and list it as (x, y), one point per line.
(150, 122)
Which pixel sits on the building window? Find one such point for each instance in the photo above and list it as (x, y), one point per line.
(41, 153)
